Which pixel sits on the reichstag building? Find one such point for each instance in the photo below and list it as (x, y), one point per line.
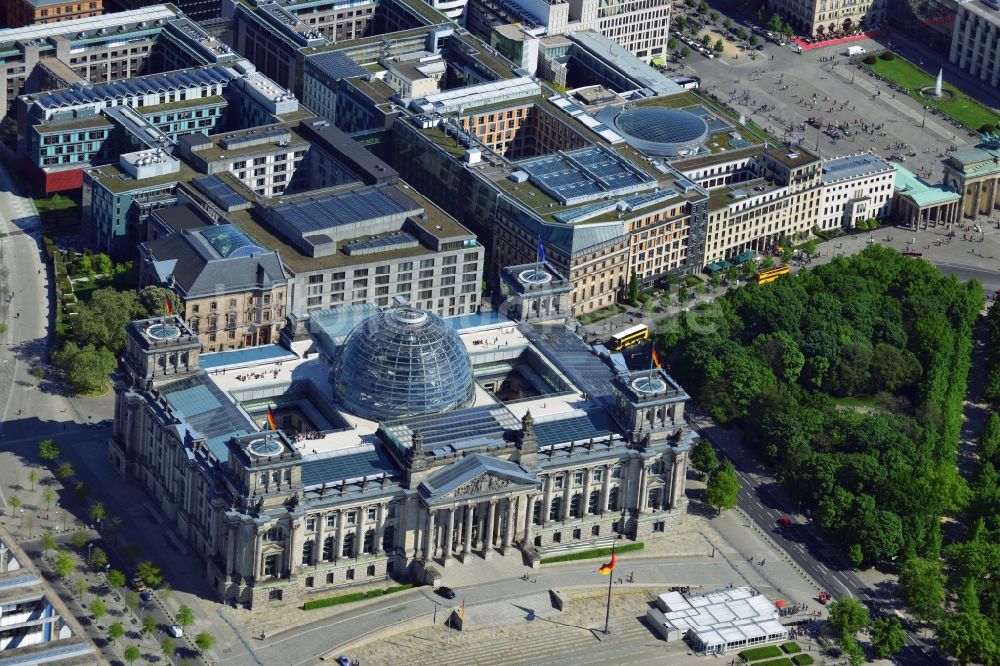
(401, 443)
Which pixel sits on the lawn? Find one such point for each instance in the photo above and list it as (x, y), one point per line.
(590, 554)
(598, 315)
(962, 108)
(763, 652)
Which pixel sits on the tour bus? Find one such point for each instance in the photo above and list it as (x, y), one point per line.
(629, 337)
(772, 274)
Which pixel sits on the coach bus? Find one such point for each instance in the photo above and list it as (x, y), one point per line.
(772, 274)
(629, 337)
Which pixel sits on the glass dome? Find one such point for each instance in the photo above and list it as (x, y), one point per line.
(659, 130)
(402, 362)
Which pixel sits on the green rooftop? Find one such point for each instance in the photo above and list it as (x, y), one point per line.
(921, 192)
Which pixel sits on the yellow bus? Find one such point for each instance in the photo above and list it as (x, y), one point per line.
(772, 274)
(629, 337)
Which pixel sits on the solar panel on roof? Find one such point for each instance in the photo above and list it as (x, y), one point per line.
(394, 241)
(220, 192)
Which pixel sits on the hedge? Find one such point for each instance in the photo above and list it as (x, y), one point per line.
(590, 554)
(802, 660)
(763, 652)
(353, 596)
(791, 647)
(783, 661)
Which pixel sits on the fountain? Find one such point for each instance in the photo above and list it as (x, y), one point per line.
(937, 92)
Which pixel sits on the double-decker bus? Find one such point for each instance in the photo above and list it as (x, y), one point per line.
(629, 337)
(772, 274)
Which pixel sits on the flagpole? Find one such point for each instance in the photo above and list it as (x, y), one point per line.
(611, 579)
(652, 355)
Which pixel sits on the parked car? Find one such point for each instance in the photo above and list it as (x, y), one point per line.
(785, 521)
(343, 661)
(446, 592)
(175, 631)
(146, 596)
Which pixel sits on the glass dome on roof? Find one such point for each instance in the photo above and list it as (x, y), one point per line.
(401, 362)
(662, 131)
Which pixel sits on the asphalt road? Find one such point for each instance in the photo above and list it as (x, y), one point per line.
(764, 501)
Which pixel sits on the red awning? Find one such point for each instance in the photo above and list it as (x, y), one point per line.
(780, 603)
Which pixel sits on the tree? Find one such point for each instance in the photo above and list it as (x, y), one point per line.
(741, 33)
(706, 40)
(116, 631)
(79, 586)
(167, 647)
(98, 609)
(633, 288)
(204, 641)
(165, 591)
(848, 617)
(65, 471)
(103, 264)
(775, 23)
(148, 624)
(967, 636)
(79, 539)
(32, 478)
(84, 266)
(702, 7)
(48, 496)
(713, 16)
(101, 322)
(856, 555)
(132, 600)
(723, 487)
(888, 637)
(15, 503)
(151, 299)
(719, 46)
(753, 41)
(115, 578)
(922, 585)
(98, 558)
(727, 24)
(685, 52)
(81, 492)
(97, 511)
(672, 44)
(48, 542)
(703, 456)
(185, 616)
(48, 450)
(855, 655)
(149, 573)
(131, 653)
(87, 368)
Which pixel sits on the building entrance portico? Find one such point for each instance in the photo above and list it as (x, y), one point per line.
(474, 506)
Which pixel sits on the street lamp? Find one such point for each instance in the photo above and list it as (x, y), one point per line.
(89, 547)
(923, 121)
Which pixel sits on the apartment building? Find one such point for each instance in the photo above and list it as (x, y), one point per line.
(17, 13)
(234, 293)
(974, 39)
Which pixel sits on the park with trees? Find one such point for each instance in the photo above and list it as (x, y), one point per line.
(849, 379)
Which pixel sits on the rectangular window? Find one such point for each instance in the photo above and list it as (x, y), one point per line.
(350, 574)
(578, 479)
(352, 517)
(558, 482)
(372, 513)
(329, 577)
(310, 524)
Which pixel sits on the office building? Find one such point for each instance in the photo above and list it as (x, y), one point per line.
(35, 626)
(381, 472)
(197, 10)
(855, 188)
(974, 40)
(831, 17)
(18, 13)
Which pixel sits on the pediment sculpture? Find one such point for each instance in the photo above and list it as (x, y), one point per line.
(483, 484)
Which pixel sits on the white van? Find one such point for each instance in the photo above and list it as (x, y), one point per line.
(855, 51)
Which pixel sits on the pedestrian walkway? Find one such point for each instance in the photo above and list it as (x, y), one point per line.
(841, 40)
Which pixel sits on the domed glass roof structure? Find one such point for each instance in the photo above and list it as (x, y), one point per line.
(402, 362)
(659, 130)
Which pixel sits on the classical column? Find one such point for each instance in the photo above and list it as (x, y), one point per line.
(428, 535)
(446, 547)
(359, 533)
(585, 509)
(508, 525)
(294, 559)
(529, 519)
(258, 562)
(318, 544)
(338, 549)
(230, 547)
(402, 526)
(488, 536)
(379, 527)
(546, 498)
(605, 486)
(467, 531)
(643, 486)
(566, 495)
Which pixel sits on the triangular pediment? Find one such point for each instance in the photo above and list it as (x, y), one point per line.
(476, 476)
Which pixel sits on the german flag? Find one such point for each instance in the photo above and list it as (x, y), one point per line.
(608, 567)
(656, 359)
(166, 306)
(271, 423)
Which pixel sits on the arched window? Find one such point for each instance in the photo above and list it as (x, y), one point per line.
(555, 509)
(536, 517)
(575, 510)
(594, 505)
(613, 499)
(388, 538)
(328, 549)
(653, 499)
(307, 551)
(348, 549)
(370, 542)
